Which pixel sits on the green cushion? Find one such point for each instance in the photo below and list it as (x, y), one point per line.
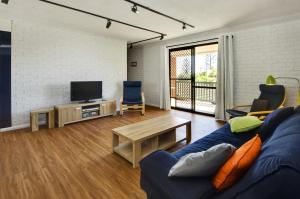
(244, 124)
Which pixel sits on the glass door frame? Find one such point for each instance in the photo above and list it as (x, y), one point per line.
(193, 86)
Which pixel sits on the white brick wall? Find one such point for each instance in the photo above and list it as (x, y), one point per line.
(148, 71)
(135, 73)
(259, 51)
(46, 59)
(272, 49)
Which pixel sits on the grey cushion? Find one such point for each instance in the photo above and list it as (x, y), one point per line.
(204, 163)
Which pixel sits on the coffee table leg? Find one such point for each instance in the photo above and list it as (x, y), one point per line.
(136, 147)
(188, 132)
(115, 141)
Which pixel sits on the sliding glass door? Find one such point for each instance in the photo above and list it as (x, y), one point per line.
(181, 78)
(193, 72)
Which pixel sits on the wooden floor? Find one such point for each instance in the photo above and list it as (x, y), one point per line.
(76, 161)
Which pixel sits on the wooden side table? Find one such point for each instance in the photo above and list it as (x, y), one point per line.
(34, 118)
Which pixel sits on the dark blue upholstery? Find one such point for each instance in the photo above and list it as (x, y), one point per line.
(154, 176)
(275, 173)
(273, 120)
(222, 135)
(132, 92)
(275, 95)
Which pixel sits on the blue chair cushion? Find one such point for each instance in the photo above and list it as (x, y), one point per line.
(277, 169)
(132, 92)
(273, 120)
(132, 102)
(157, 184)
(273, 93)
(222, 135)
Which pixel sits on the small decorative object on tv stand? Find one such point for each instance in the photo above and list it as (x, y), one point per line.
(76, 112)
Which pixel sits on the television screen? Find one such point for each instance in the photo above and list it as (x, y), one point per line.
(86, 90)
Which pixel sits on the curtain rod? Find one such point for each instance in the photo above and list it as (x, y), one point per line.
(191, 42)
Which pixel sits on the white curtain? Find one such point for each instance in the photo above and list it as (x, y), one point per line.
(224, 95)
(164, 79)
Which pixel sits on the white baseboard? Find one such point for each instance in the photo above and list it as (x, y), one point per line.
(21, 126)
(154, 105)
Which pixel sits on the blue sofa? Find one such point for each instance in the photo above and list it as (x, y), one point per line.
(275, 173)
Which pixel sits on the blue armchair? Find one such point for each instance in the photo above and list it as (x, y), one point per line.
(133, 97)
(271, 98)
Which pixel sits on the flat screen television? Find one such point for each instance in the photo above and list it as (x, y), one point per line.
(86, 90)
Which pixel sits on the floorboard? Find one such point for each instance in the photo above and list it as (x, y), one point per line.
(77, 161)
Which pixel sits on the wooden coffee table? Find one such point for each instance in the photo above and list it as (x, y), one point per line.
(148, 136)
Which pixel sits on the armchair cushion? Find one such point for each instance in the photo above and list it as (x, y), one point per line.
(132, 93)
(259, 105)
(275, 94)
(132, 102)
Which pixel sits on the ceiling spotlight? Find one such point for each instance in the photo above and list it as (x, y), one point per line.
(108, 24)
(184, 27)
(135, 9)
(162, 37)
(5, 1)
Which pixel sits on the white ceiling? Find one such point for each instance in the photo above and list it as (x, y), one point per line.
(204, 14)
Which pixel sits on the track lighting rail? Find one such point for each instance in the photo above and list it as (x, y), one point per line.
(135, 5)
(103, 17)
(136, 42)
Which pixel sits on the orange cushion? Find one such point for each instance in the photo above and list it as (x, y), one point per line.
(237, 164)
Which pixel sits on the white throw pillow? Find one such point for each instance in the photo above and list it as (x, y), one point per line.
(204, 163)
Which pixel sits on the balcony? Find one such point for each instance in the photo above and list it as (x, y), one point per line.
(204, 96)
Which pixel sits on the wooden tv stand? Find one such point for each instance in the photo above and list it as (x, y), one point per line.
(76, 112)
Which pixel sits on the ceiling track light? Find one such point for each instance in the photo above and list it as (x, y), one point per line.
(162, 37)
(135, 9)
(184, 27)
(109, 20)
(108, 24)
(5, 1)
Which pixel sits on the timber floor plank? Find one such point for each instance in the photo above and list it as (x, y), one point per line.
(76, 161)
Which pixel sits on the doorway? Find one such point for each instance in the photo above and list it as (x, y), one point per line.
(193, 77)
(5, 79)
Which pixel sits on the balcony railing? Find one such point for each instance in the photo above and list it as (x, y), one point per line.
(204, 91)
